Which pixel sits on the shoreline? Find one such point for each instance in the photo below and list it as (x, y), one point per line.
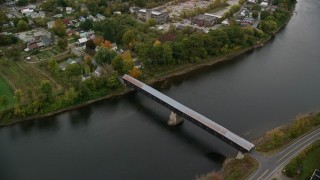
(184, 70)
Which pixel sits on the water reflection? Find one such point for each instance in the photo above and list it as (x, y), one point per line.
(47, 124)
(81, 116)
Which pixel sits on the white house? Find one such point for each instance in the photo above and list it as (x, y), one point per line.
(50, 24)
(264, 4)
(82, 41)
(69, 10)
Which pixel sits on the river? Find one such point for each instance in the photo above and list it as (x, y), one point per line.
(127, 137)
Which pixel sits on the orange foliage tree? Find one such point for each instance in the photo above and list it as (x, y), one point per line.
(135, 72)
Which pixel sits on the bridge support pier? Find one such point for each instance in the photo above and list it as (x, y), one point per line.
(240, 155)
(174, 119)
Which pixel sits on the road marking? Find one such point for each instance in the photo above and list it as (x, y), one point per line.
(298, 140)
(263, 174)
(297, 147)
(289, 158)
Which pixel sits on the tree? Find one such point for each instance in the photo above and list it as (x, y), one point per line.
(117, 64)
(41, 22)
(255, 14)
(53, 67)
(113, 82)
(18, 96)
(87, 24)
(8, 39)
(49, 5)
(63, 43)
(22, 2)
(256, 7)
(46, 89)
(70, 96)
(151, 22)
(90, 44)
(22, 25)
(14, 54)
(59, 28)
(129, 37)
(98, 40)
(268, 26)
(3, 18)
(87, 60)
(264, 15)
(73, 70)
(135, 72)
(104, 55)
(4, 101)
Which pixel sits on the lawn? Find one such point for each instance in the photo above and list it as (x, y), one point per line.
(305, 163)
(23, 76)
(5, 90)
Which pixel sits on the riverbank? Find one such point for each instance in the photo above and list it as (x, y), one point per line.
(158, 78)
(234, 168)
(276, 139)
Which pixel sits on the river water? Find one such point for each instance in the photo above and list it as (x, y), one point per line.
(127, 137)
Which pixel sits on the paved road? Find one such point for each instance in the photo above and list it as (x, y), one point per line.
(271, 166)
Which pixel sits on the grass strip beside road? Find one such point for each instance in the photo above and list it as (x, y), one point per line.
(302, 166)
(276, 139)
(233, 169)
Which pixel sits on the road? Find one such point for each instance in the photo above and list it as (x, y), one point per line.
(271, 166)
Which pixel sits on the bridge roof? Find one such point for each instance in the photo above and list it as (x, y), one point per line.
(196, 116)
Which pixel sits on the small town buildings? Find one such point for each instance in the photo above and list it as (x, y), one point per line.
(82, 41)
(114, 47)
(39, 14)
(50, 24)
(59, 8)
(35, 39)
(205, 20)
(100, 17)
(58, 16)
(85, 76)
(26, 11)
(64, 64)
(264, 4)
(248, 20)
(134, 10)
(69, 10)
(159, 17)
(225, 22)
(98, 71)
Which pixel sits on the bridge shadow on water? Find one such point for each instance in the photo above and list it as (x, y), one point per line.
(206, 145)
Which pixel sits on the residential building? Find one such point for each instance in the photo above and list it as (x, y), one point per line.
(159, 17)
(100, 17)
(64, 64)
(69, 10)
(35, 39)
(205, 20)
(50, 24)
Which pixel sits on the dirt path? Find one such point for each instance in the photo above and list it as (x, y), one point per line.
(47, 76)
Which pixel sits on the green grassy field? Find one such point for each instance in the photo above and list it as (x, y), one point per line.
(305, 163)
(23, 76)
(5, 90)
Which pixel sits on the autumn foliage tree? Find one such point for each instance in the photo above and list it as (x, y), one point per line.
(59, 28)
(135, 72)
